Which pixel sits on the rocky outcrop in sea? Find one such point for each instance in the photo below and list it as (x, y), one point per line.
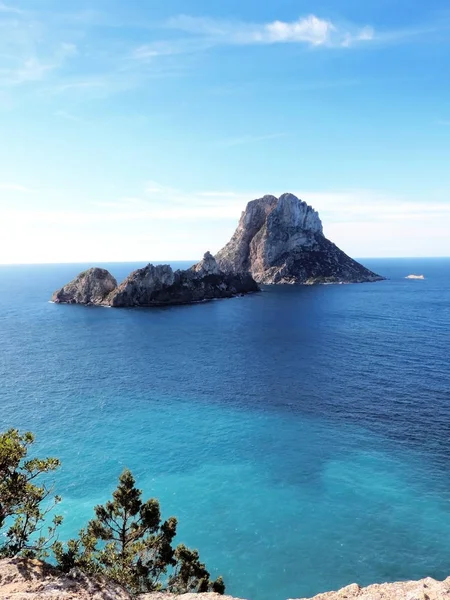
(156, 286)
(89, 287)
(281, 240)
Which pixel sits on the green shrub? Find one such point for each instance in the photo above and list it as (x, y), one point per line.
(23, 506)
(129, 543)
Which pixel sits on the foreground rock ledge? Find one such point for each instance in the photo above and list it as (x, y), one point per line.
(156, 286)
(425, 589)
(22, 579)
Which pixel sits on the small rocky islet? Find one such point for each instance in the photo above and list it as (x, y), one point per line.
(277, 241)
(156, 286)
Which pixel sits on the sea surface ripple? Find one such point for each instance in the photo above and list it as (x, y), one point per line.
(300, 435)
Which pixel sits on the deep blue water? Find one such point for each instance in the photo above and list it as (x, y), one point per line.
(301, 435)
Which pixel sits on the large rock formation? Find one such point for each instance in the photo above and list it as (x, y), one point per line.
(156, 286)
(89, 287)
(281, 240)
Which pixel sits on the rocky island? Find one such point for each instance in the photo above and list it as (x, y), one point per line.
(281, 240)
(278, 241)
(156, 286)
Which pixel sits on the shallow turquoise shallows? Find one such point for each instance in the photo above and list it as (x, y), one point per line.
(300, 435)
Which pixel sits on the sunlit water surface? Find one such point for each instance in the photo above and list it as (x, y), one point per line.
(301, 435)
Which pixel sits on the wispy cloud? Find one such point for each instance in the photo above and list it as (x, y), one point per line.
(6, 8)
(162, 202)
(377, 206)
(163, 223)
(154, 188)
(203, 33)
(29, 49)
(86, 54)
(199, 34)
(310, 30)
(63, 114)
(85, 83)
(14, 187)
(336, 207)
(248, 139)
(166, 48)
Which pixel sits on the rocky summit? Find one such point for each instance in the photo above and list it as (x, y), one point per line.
(156, 286)
(89, 287)
(281, 240)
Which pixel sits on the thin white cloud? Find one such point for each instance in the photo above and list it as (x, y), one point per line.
(377, 206)
(153, 187)
(6, 8)
(63, 114)
(167, 224)
(248, 139)
(335, 207)
(310, 30)
(14, 187)
(202, 33)
(30, 51)
(165, 48)
(71, 86)
(32, 69)
(398, 36)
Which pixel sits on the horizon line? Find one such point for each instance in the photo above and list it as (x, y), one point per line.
(168, 261)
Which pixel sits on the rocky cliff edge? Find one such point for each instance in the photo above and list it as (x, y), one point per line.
(22, 579)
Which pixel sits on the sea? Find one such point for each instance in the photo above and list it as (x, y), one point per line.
(301, 435)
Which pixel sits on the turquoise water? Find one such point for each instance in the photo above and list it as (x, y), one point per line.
(300, 435)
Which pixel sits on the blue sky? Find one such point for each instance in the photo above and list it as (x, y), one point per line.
(139, 129)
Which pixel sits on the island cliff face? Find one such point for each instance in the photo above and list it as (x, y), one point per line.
(156, 286)
(89, 287)
(281, 240)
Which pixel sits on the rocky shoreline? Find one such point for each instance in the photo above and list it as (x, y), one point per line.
(423, 589)
(22, 579)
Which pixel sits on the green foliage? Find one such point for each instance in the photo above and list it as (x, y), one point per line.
(77, 553)
(190, 575)
(129, 543)
(23, 506)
